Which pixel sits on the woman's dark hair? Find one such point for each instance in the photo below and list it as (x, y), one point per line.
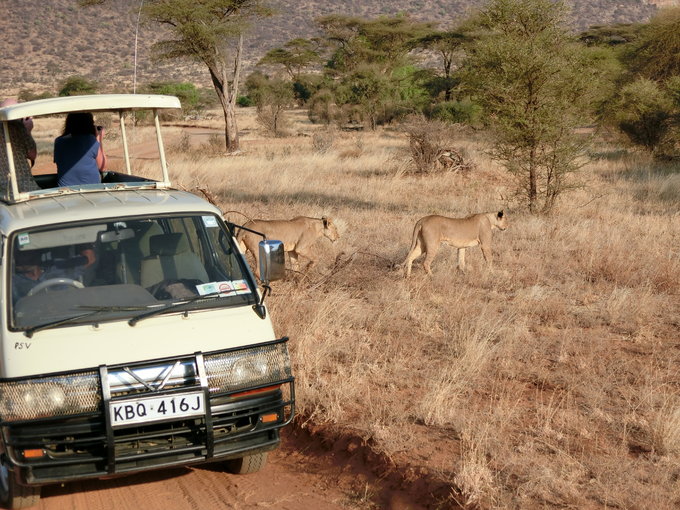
(81, 123)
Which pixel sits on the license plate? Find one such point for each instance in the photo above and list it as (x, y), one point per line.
(152, 409)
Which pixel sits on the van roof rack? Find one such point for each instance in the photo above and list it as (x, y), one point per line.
(117, 103)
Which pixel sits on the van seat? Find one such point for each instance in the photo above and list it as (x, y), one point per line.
(171, 259)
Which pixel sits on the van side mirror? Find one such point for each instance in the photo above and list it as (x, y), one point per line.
(272, 261)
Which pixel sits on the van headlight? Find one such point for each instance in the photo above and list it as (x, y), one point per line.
(49, 396)
(256, 366)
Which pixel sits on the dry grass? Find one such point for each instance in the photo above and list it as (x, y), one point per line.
(549, 380)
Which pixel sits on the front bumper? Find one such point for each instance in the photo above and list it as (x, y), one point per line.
(236, 422)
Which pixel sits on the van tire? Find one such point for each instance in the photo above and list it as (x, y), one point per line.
(13, 495)
(248, 464)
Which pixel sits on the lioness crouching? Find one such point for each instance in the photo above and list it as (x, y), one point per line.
(460, 233)
(297, 235)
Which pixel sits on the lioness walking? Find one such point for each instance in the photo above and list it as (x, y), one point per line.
(297, 235)
(460, 233)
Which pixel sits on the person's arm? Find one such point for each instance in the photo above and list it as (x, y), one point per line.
(101, 156)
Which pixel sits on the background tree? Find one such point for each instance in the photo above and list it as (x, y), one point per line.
(640, 102)
(657, 55)
(384, 41)
(535, 84)
(369, 68)
(368, 88)
(644, 112)
(210, 32)
(448, 48)
(272, 97)
(295, 56)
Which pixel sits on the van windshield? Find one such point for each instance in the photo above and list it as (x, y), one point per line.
(117, 268)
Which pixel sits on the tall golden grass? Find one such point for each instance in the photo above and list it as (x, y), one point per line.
(549, 380)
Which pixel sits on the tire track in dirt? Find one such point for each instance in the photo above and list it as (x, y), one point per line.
(315, 468)
(280, 484)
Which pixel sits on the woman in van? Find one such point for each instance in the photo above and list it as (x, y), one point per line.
(78, 152)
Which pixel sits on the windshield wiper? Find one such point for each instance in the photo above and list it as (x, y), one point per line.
(116, 308)
(48, 325)
(172, 306)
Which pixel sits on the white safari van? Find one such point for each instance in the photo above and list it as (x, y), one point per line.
(133, 335)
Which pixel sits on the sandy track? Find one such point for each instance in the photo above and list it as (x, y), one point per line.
(292, 479)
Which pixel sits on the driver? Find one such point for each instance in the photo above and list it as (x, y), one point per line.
(28, 272)
(30, 269)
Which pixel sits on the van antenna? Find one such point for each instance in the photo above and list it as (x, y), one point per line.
(134, 76)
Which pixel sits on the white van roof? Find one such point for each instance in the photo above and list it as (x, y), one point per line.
(99, 102)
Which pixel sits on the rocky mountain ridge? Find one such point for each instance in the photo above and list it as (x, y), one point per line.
(47, 41)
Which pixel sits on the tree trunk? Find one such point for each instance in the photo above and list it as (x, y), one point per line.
(448, 62)
(227, 95)
(231, 129)
(532, 181)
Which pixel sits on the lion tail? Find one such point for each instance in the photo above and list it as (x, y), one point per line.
(416, 232)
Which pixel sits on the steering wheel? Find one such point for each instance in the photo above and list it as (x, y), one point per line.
(53, 282)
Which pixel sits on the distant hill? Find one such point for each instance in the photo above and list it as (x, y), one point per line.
(44, 41)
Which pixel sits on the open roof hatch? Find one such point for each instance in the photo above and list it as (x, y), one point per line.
(119, 103)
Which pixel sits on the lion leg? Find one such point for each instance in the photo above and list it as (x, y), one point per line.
(430, 253)
(257, 263)
(252, 247)
(413, 255)
(294, 261)
(488, 255)
(461, 259)
(308, 255)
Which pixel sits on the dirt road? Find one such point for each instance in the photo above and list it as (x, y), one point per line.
(302, 475)
(292, 479)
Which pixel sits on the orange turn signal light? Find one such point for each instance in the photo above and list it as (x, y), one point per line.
(269, 418)
(34, 454)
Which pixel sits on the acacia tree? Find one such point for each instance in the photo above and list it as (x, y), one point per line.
(447, 46)
(535, 85)
(644, 108)
(295, 56)
(369, 61)
(657, 55)
(384, 42)
(209, 32)
(644, 113)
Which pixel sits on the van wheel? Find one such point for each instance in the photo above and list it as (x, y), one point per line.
(13, 495)
(248, 464)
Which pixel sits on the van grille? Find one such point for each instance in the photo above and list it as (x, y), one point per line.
(86, 445)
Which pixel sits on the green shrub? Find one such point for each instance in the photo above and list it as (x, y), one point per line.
(465, 111)
(187, 93)
(245, 101)
(28, 95)
(77, 86)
